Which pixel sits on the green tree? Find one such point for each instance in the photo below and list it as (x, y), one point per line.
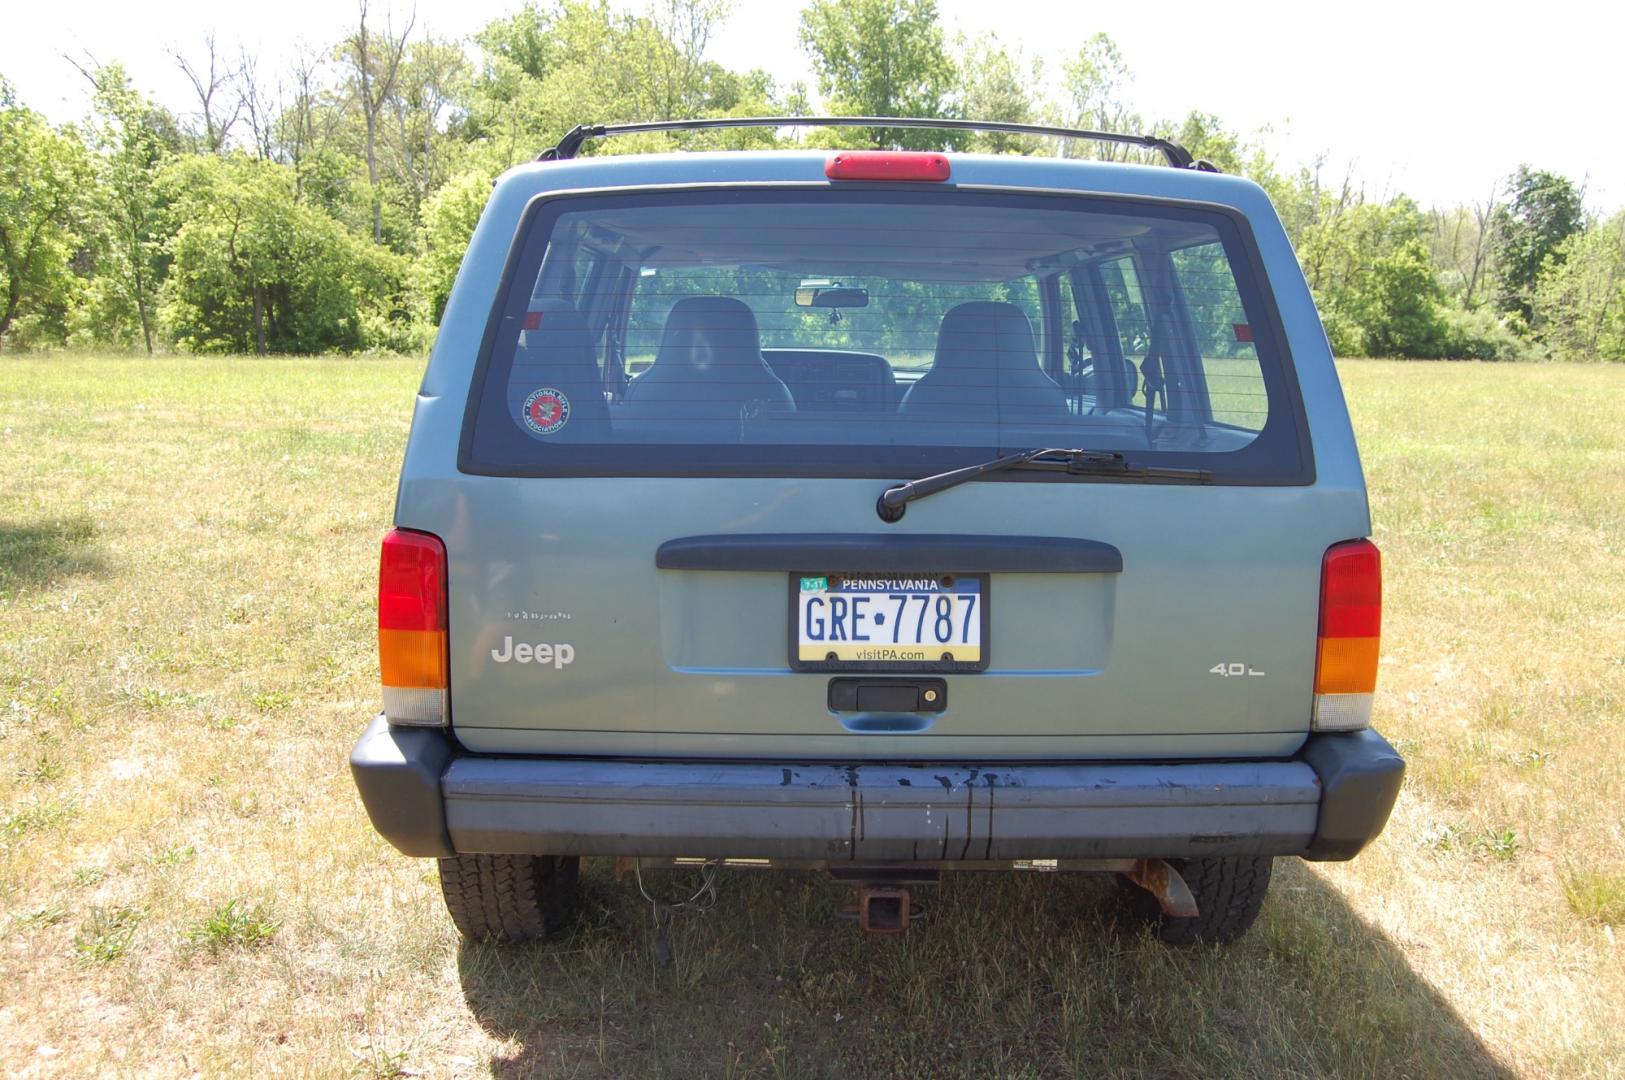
(1095, 97)
(1345, 236)
(420, 119)
(668, 49)
(1206, 137)
(997, 86)
(1579, 299)
(1542, 211)
(375, 64)
(1398, 304)
(131, 140)
(882, 58)
(449, 217)
(546, 69)
(305, 132)
(42, 173)
(254, 269)
(1462, 242)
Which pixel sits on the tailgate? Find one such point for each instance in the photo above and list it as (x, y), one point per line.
(567, 637)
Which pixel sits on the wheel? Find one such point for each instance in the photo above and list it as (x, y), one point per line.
(509, 898)
(1229, 892)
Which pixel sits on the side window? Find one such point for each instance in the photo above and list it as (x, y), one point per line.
(1125, 298)
(1127, 301)
(581, 268)
(1077, 359)
(1223, 336)
(653, 294)
(1027, 294)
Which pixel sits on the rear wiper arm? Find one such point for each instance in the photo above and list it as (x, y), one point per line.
(894, 500)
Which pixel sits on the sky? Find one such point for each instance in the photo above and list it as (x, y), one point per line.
(1436, 100)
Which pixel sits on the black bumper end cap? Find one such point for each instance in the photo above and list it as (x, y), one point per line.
(397, 770)
(1360, 776)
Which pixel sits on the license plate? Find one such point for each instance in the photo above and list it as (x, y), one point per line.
(888, 622)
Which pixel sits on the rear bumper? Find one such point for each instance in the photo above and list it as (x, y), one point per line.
(428, 800)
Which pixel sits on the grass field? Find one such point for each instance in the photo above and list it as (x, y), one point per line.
(188, 884)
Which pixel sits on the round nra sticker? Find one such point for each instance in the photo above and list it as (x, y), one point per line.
(547, 410)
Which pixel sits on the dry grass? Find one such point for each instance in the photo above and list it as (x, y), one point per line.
(188, 885)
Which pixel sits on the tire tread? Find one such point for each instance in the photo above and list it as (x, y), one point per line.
(509, 898)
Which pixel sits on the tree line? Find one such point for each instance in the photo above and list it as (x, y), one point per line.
(325, 207)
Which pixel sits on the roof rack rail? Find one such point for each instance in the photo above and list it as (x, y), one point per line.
(1177, 155)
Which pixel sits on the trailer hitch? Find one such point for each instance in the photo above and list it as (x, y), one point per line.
(884, 909)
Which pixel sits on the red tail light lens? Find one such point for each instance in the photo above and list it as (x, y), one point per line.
(887, 165)
(412, 582)
(1350, 635)
(412, 640)
(1351, 591)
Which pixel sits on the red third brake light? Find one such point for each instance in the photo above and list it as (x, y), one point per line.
(412, 627)
(887, 165)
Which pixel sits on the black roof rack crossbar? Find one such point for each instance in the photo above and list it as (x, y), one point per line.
(568, 146)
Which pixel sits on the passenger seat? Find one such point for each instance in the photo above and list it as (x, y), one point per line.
(986, 371)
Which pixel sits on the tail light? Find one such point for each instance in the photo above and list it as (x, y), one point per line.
(887, 165)
(412, 651)
(1350, 629)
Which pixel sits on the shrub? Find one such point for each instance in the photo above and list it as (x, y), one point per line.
(1400, 305)
(251, 261)
(1480, 335)
(1344, 334)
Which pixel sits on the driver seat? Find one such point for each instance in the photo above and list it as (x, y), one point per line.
(709, 365)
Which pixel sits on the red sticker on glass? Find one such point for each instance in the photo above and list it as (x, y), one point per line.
(533, 320)
(1243, 331)
(546, 411)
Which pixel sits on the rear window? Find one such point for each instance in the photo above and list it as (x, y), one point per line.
(878, 332)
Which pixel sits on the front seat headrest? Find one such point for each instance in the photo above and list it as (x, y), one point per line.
(985, 335)
(705, 333)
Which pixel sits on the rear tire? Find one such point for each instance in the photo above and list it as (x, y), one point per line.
(510, 898)
(1229, 893)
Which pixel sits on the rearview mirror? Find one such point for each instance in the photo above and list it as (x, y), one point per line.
(830, 295)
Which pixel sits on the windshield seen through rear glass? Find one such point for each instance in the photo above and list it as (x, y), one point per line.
(877, 332)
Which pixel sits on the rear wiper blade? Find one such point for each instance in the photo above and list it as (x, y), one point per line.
(1104, 463)
(894, 500)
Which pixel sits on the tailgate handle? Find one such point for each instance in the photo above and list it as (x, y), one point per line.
(888, 695)
(883, 553)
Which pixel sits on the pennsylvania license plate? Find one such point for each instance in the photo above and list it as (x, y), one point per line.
(900, 622)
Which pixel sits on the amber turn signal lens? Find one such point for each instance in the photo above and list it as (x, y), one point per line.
(1346, 666)
(412, 657)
